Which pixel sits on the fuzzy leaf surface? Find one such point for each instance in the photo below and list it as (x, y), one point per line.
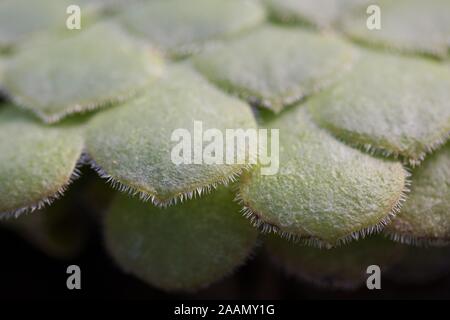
(132, 142)
(408, 25)
(296, 64)
(20, 19)
(324, 192)
(425, 218)
(317, 12)
(394, 105)
(92, 69)
(183, 31)
(184, 247)
(60, 230)
(320, 13)
(36, 162)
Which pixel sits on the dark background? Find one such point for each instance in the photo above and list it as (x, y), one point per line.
(25, 272)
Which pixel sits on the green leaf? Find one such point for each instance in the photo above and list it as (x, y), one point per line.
(19, 19)
(340, 268)
(425, 218)
(2, 70)
(389, 104)
(295, 64)
(183, 31)
(87, 71)
(325, 193)
(408, 25)
(132, 144)
(60, 230)
(36, 162)
(184, 247)
(321, 13)
(107, 5)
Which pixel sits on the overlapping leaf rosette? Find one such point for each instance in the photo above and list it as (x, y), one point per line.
(363, 117)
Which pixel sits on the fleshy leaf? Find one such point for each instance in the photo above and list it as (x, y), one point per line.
(325, 193)
(107, 5)
(183, 31)
(276, 66)
(20, 19)
(425, 218)
(317, 12)
(36, 162)
(407, 25)
(184, 247)
(320, 13)
(342, 268)
(394, 105)
(132, 144)
(2, 70)
(90, 70)
(60, 230)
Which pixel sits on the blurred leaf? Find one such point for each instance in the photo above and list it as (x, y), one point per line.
(2, 70)
(21, 18)
(325, 192)
(60, 230)
(338, 268)
(420, 266)
(179, 27)
(407, 25)
(317, 12)
(185, 247)
(80, 73)
(390, 104)
(320, 13)
(295, 64)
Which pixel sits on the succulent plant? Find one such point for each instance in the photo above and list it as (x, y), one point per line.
(363, 116)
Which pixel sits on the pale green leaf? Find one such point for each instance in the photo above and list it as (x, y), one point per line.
(425, 218)
(317, 12)
(107, 5)
(320, 13)
(2, 70)
(20, 19)
(325, 192)
(181, 27)
(407, 25)
(132, 143)
(339, 268)
(92, 69)
(36, 162)
(59, 230)
(276, 66)
(396, 105)
(184, 247)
